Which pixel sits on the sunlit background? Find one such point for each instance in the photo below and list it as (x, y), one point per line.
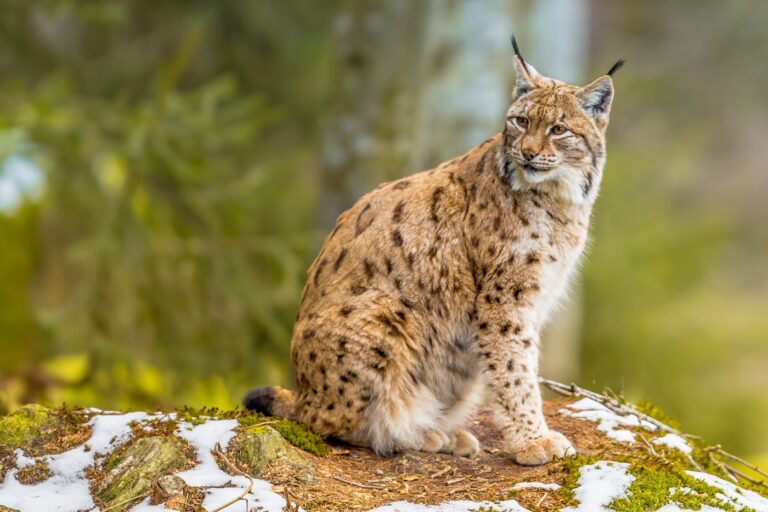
(168, 170)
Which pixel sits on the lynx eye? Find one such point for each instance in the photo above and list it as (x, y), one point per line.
(521, 122)
(558, 129)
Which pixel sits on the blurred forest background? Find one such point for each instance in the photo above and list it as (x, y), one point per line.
(168, 171)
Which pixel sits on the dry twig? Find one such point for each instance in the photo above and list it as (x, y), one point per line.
(217, 451)
(358, 484)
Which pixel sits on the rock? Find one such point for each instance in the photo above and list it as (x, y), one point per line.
(131, 470)
(170, 490)
(23, 425)
(6, 509)
(255, 448)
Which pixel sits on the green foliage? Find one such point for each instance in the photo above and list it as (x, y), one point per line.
(164, 260)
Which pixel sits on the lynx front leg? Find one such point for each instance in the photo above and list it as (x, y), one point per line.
(510, 352)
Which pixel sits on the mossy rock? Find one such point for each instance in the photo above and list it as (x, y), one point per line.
(295, 433)
(24, 425)
(130, 471)
(255, 448)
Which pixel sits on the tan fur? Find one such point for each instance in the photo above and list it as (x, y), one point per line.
(432, 286)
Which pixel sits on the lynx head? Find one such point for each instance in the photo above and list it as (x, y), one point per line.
(554, 139)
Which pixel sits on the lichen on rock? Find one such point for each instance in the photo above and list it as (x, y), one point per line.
(130, 471)
(256, 447)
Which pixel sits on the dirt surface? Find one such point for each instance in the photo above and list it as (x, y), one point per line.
(355, 479)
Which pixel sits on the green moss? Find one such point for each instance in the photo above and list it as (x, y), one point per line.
(652, 410)
(570, 479)
(653, 488)
(301, 437)
(296, 434)
(24, 424)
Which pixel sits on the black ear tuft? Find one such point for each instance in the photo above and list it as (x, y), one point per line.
(517, 52)
(616, 67)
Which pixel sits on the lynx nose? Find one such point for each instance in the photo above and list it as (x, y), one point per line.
(529, 155)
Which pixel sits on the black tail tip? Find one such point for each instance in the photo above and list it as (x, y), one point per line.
(261, 400)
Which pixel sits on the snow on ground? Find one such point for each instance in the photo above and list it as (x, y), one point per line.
(535, 485)
(607, 420)
(67, 488)
(674, 441)
(221, 486)
(599, 484)
(452, 506)
(733, 494)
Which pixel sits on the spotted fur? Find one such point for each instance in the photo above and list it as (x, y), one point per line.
(434, 287)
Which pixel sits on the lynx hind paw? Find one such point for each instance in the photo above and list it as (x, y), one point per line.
(546, 448)
(466, 444)
(437, 441)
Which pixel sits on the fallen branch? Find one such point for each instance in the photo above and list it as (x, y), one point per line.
(618, 407)
(611, 403)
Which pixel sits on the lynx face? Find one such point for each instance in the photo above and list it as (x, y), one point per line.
(554, 138)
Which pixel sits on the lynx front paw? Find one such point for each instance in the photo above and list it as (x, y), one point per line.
(543, 449)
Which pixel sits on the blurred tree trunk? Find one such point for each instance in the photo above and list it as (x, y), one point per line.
(369, 126)
(421, 82)
(556, 43)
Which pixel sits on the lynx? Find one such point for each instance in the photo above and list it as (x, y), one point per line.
(435, 286)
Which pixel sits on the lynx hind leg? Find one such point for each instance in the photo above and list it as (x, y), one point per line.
(406, 419)
(464, 443)
(418, 421)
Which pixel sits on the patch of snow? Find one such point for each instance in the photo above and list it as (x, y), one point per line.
(220, 486)
(732, 493)
(22, 461)
(607, 420)
(599, 484)
(452, 506)
(203, 438)
(674, 441)
(535, 485)
(67, 488)
(144, 506)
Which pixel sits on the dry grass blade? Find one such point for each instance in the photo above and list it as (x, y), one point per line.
(217, 452)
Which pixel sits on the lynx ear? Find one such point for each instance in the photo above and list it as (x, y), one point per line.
(596, 97)
(527, 76)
